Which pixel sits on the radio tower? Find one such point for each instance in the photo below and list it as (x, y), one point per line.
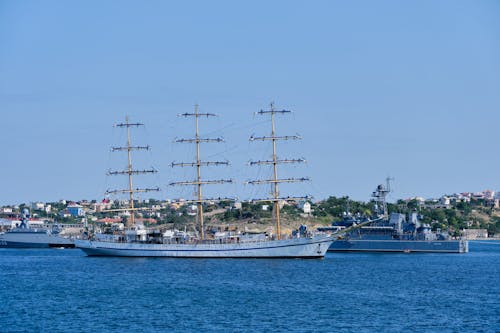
(198, 163)
(130, 172)
(274, 162)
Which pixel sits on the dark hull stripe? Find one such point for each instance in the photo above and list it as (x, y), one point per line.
(23, 245)
(68, 246)
(384, 250)
(202, 257)
(34, 245)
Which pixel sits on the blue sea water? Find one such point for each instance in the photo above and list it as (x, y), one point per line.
(65, 291)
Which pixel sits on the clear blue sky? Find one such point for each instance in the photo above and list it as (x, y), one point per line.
(409, 89)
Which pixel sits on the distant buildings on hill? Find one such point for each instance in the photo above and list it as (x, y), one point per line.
(490, 197)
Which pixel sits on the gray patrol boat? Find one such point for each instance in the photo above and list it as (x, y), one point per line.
(23, 236)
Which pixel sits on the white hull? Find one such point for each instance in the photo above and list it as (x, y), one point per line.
(313, 247)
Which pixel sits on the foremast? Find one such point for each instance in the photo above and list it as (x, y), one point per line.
(198, 164)
(130, 171)
(275, 161)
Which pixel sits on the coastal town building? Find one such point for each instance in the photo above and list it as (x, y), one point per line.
(75, 210)
(64, 213)
(445, 201)
(110, 220)
(489, 194)
(105, 204)
(305, 207)
(177, 204)
(474, 233)
(37, 205)
(6, 210)
(192, 210)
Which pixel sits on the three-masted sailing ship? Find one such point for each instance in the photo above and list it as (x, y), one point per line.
(138, 242)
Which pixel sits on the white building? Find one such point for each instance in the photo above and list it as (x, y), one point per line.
(125, 214)
(156, 207)
(419, 200)
(192, 210)
(37, 205)
(475, 233)
(445, 201)
(305, 207)
(489, 194)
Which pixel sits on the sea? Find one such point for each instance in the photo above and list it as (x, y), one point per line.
(62, 290)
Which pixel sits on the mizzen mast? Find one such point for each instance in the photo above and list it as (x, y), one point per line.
(199, 182)
(130, 171)
(275, 161)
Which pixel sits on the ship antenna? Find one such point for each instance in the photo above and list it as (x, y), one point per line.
(199, 182)
(275, 161)
(130, 171)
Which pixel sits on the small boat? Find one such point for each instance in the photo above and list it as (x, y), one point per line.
(24, 236)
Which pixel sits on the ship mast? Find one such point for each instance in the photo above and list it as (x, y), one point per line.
(275, 161)
(198, 163)
(380, 195)
(130, 171)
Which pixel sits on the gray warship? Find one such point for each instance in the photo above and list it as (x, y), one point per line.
(24, 236)
(392, 233)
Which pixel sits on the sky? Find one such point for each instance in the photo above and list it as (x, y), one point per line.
(406, 89)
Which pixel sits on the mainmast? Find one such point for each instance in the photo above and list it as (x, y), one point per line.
(275, 161)
(130, 171)
(380, 195)
(198, 163)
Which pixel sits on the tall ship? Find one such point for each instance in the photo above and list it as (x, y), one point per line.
(26, 236)
(393, 233)
(138, 241)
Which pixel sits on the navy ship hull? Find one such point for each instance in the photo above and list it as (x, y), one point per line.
(24, 236)
(33, 239)
(359, 245)
(27, 245)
